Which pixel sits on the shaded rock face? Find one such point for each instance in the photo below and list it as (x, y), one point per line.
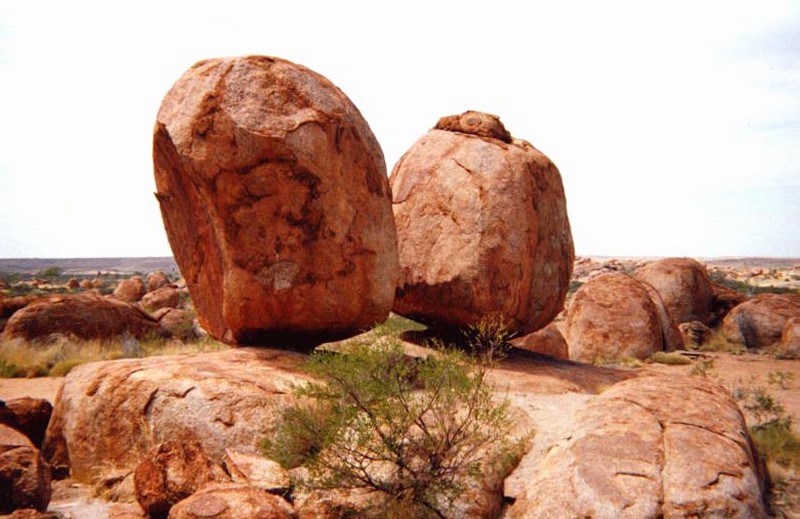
(85, 316)
(111, 414)
(611, 316)
(482, 227)
(759, 322)
(274, 195)
(31, 416)
(130, 290)
(179, 323)
(232, 501)
(24, 475)
(695, 333)
(547, 341)
(683, 285)
(653, 446)
(173, 471)
(723, 300)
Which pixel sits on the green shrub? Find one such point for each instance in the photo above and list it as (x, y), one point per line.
(777, 442)
(416, 431)
(670, 358)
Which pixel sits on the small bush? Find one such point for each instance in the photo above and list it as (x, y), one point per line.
(669, 358)
(416, 431)
(777, 441)
(718, 342)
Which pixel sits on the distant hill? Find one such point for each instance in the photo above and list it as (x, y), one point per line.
(89, 265)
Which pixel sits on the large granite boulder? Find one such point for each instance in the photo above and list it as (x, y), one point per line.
(130, 290)
(111, 414)
(759, 322)
(683, 285)
(612, 316)
(482, 227)
(86, 315)
(274, 195)
(649, 447)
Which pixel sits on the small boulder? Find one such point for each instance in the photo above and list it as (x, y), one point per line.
(31, 416)
(482, 227)
(86, 315)
(683, 285)
(173, 471)
(790, 339)
(130, 290)
(164, 297)
(73, 284)
(759, 322)
(98, 283)
(86, 284)
(695, 333)
(275, 200)
(178, 323)
(257, 471)
(547, 341)
(232, 501)
(612, 316)
(156, 280)
(24, 475)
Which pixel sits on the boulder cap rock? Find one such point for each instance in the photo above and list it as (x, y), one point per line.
(482, 228)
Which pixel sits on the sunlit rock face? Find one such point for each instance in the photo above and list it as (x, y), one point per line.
(274, 195)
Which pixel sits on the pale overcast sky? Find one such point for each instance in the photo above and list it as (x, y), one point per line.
(675, 124)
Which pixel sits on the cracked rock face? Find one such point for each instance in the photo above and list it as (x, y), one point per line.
(612, 316)
(683, 285)
(112, 414)
(482, 227)
(274, 195)
(651, 447)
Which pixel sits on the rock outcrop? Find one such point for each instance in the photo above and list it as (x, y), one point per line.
(547, 341)
(173, 471)
(130, 290)
(156, 280)
(232, 501)
(86, 315)
(274, 195)
(24, 475)
(612, 316)
(683, 285)
(482, 227)
(759, 322)
(111, 414)
(652, 446)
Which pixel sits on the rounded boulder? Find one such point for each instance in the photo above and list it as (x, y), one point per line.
(275, 200)
(482, 227)
(683, 285)
(612, 316)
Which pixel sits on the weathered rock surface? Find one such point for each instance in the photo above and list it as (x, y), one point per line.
(86, 315)
(275, 200)
(178, 323)
(482, 227)
(547, 341)
(111, 414)
(671, 336)
(130, 290)
(31, 416)
(156, 280)
(257, 471)
(232, 501)
(759, 322)
(648, 447)
(611, 316)
(790, 339)
(163, 297)
(695, 333)
(173, 471)
(683, 285)
(24, 475)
